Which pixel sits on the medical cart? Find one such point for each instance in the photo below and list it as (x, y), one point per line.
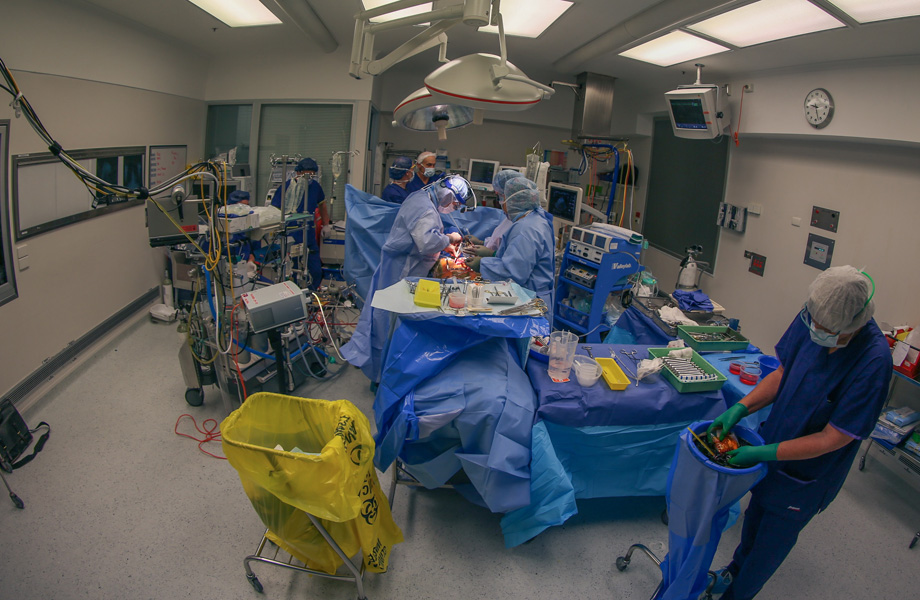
(594, 265)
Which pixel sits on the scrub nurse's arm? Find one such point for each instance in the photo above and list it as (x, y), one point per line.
(815, 444)
(765, 392)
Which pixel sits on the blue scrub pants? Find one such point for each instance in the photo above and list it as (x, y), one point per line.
(767, 537)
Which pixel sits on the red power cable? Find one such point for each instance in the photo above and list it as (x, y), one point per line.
(210, 432)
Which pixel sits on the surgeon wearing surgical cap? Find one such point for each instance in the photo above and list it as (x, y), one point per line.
(309, 198)
(424, 172)
(400, 176)
(527, 253)
(411, 249)
(826, 397)
(491, 243)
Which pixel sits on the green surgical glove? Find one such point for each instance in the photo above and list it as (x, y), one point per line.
(484, 251)
(474, 240)
(473, 263)
(728, 419)
(746, 456)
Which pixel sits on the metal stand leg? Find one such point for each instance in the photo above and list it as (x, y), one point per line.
(18, 502)
(913, 542)
(862, 459)
(623, 563)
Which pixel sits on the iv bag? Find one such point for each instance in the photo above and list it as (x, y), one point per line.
(293, 194)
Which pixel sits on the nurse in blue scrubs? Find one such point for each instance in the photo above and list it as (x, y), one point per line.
(400, 176)
(826, 397)
(311, 198)
(424, 172)
(527, 252)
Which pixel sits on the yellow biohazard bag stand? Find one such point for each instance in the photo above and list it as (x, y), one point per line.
(318, 494)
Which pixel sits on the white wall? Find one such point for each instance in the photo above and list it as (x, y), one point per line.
(89, 95)
(864, 164)
(47, 36)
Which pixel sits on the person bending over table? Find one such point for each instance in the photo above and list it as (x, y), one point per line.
(826, 396)
(411, 249)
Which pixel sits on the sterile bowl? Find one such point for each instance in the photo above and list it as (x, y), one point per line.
(587, 370)
(768, 364)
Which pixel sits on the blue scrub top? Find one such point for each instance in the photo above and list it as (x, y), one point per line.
(395, 193)
(526, 256)
(315, 195)
(846, 389)
(415, 184)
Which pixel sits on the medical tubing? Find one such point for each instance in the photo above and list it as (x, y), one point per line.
(613, 182)
(329, 333)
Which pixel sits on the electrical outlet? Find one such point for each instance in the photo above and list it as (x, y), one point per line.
(796, 221)
(748, 87)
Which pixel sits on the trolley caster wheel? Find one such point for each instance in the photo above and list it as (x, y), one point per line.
(256, 584)
(913, 542)
(19, 504)
(194, 397)
(664, 517)
(862, 462)
(622, 563)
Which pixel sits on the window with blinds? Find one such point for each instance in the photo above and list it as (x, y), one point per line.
(310, 130)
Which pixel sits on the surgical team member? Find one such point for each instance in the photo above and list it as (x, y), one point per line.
(490, 246)
(411, 249)
(826, 396)
(310, 200)
(527, 253)
(424, 172)
(400, 176)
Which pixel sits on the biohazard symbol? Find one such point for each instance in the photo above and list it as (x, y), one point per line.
(356, 453)
(369, 510)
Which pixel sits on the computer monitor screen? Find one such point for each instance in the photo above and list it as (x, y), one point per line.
(565, 202)
(688, 113)
(481, 173)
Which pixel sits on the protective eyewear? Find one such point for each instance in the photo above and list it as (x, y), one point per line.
(810, 324)
(461, 192)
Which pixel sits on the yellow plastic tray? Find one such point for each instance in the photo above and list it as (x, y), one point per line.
(428, 293)
(613, 374)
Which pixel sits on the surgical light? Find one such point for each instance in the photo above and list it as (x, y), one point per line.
(866, 11)
(484, 81)
(420, 111)
(766, 21)
(673, 48)
(529, 18)
(238, 13)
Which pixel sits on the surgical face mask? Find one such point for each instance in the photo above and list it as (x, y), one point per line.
(824, 339)
(429, 172)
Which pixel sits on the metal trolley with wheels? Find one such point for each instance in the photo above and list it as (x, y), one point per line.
(266, 548)
(306, 466)
(623, 563)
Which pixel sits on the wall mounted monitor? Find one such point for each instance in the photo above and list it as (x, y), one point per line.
(695, 112)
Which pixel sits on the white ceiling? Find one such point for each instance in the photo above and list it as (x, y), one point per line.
(185, 24)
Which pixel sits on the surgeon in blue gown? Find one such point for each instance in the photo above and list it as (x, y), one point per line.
(490, 245)
(411, 249)
(527, 252)
(826, 397)
(400, 176)
(311, 199)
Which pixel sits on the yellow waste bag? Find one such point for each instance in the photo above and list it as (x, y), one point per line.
(332, 477)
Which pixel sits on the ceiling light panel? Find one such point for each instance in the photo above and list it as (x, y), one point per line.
(673, 48)
(866, 11)
(399, 14)
(529, 18)
(766, 21)
(238, 13)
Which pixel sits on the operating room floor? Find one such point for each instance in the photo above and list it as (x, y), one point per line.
(119, 506)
